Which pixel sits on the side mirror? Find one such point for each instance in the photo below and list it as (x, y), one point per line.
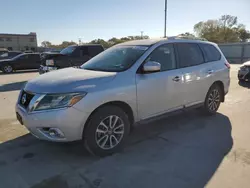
(151, 66)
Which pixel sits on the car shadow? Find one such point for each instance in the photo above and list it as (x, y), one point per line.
(244, 84)
(12, 86)
(183, 150)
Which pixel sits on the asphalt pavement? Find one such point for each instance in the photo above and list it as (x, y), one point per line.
(186, 149)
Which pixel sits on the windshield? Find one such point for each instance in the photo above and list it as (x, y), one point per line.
(116, 59)
(68, 50)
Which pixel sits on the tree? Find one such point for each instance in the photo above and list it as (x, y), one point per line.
(102, 42)
(225, 29)
(46, 44)
(66, 44)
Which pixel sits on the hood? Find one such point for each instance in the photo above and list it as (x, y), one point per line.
(68, 80)
(246, 63)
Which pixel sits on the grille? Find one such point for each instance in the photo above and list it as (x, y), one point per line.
(25, 99)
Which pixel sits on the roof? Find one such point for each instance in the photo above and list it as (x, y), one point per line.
(145, 42)
(149, 42)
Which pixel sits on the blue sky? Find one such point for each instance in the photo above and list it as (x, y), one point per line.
(58, 20)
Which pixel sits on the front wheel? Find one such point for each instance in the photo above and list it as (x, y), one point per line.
(106, 131)
(213, 100)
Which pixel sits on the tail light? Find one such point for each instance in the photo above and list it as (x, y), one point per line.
(227, 65)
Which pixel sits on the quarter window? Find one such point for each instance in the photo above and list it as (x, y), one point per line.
(165, 56)
(189, 55)
(210, 52)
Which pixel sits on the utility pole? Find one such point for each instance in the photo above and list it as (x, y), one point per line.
(142, 34)
(165, 22)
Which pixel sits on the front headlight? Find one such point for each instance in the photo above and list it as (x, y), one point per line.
(243, 68)
(55, 101)
(50, 62)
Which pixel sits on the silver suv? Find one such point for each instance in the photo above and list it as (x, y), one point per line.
(130, 82)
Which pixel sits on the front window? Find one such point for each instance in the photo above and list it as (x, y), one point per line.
(69, 50)
(20, 56)
(116, 59)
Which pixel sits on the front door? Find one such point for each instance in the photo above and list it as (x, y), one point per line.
(21, 62)
(159, 92)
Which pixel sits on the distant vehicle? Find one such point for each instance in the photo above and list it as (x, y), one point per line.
(3, 50)
(72, 56)
(244, 72)
(20, 62)
(126, 84)
(10, 54)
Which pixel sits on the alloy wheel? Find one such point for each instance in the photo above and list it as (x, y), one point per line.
(8, 69)
(214, 100)
(109, 132)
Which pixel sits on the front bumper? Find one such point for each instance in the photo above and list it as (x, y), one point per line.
(244, 74)
(69, 121)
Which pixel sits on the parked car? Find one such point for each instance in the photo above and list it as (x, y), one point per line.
(72, 56)
(244, 72)
(3, 50)
(10, 54)
(20, 62)
(126, 84)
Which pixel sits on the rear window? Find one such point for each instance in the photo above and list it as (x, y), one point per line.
(210, 52)
(94, 50)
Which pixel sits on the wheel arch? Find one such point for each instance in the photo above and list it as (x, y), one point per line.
(123, 105)
(221, 86)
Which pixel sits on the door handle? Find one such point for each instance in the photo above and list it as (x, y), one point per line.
(210, 71)
(176, 79)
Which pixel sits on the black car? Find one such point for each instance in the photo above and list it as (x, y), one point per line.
(20, 62)
(10, 54)
(244, 72)
(72, 56)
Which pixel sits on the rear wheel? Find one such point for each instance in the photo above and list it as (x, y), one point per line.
(106, 131)
(7, 69)
(213, 100)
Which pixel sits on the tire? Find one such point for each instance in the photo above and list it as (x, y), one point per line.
(213, 100)
(7, 69)
(99, 137)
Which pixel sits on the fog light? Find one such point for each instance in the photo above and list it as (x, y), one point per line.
(55, 132)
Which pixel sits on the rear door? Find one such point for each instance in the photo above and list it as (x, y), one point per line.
(34, 61)
(213, 68)
(193, 69)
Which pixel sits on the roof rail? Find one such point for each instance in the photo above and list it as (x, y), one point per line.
(187, 37)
